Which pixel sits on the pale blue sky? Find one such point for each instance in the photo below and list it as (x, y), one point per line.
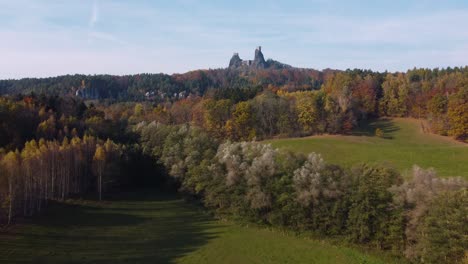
(50, 37)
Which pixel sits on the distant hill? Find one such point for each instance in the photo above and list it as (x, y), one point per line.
(240, 74)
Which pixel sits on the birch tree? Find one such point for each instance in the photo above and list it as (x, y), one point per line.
(100, 163)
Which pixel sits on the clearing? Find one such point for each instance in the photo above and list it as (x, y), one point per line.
(404, 144)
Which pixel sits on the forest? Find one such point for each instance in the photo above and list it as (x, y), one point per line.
(200, 134)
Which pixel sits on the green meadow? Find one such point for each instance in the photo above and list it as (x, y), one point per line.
(403, 145)
(149, 228)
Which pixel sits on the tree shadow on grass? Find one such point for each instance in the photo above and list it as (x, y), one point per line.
(368, 128)
(136, 229)
(62, 215)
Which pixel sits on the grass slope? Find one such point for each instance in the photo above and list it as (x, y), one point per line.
(403, 146)
(145, 228)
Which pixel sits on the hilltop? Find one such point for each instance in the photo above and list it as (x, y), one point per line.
(257, 63)
(240, 74)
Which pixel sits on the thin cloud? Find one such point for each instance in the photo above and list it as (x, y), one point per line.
(97, 35)
(94, 14)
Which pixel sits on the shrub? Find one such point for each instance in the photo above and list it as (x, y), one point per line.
(416, 196)
(371, 215)
(379, 133)
(444, 232)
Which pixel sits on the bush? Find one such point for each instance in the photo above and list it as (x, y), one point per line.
(444, 230)
(379, 133)
(371, 216)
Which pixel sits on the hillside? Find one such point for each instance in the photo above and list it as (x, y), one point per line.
(159, 87)
(148, 228)
(404, 144)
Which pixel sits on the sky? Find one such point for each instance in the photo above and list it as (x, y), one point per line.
(41, 38)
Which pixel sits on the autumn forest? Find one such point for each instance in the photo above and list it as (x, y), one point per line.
(200, 134)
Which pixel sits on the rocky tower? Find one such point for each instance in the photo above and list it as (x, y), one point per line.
(259, 60)
(235, 61)
(257, 63)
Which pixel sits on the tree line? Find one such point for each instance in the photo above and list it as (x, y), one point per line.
(422, 217)
(161, 87)
(287, 102)
(52, 170)
(344, 102)
(24, 118)
(51, 149)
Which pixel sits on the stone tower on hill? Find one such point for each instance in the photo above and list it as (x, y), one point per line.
(257, 63)
(259, 60)
(235, 61)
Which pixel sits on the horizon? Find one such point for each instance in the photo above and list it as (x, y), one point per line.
(221, 68)
(51, 38)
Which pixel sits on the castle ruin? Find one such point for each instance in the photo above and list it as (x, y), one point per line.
(258, 62)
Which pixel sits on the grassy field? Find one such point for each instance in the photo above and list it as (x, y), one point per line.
(145, 228)
(404, 144)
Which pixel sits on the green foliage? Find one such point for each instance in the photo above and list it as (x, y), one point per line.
(395, 96)
(321, 190)
(249, 181)
(273, 115)
(217, 113)
(458, 114)
(444, 232)
(138, 109)
(185, 151)
(370, 210)
(241, 126)
(308, 111)
(415, 197)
